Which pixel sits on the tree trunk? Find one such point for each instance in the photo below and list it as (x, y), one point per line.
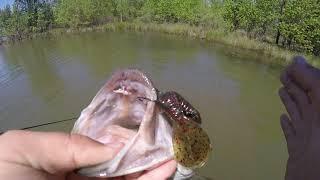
(283, 3)
(289, 42)
(278, 36)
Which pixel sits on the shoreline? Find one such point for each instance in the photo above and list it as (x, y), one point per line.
(270, 54)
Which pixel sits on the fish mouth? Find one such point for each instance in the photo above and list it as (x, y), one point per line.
(117, 105)
(117, 115)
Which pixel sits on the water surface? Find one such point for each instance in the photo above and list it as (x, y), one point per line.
(44, 80)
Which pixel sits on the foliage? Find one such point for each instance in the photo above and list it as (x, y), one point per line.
(211, 16)
(13, 22)
(121, 8)
(292, 24)
(5, 16)
(267, 14)
(187, 11)
(74, 13)
(24, 17)
(296, 21)
(44, 18)
(300, 25)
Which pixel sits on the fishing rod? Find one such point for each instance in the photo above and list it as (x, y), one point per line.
(64, 120)
(45, 124)
(69, 119)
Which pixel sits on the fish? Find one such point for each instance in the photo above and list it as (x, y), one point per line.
(154, 127)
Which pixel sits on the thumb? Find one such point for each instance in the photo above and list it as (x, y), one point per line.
(54, 152)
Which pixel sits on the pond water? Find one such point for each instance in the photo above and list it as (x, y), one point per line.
(45, 80)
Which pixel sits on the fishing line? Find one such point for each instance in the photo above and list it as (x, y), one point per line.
(39, 125)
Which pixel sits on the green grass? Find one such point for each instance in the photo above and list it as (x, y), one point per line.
(267, 53)
(271, 54)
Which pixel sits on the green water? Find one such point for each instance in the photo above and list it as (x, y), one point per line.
(45, 80)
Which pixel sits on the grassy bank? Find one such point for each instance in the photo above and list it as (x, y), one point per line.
(268, 53)
(235, 39)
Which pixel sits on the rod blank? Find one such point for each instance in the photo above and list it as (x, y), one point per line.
(45, 124)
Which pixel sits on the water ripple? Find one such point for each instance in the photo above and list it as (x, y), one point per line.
(7, 76)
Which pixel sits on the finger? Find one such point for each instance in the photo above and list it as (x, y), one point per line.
(54, 152)
(284, 77)
(164, 171)
(298, 95)
(288, 129)
(306, 77)
(291, 108)
(301, 73)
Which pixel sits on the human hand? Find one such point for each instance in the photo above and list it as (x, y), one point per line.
(31, 155)
(301, 97)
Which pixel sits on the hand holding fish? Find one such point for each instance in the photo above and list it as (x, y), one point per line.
(130, 130)
(43, 156)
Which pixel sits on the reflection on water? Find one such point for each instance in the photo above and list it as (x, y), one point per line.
(45, 80)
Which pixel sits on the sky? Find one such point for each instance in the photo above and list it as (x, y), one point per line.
(3, 3)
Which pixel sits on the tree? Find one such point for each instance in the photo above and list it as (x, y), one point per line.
(267, 13)
(5, 16)
(120, 9)
(282, 5)
(44, 18)
(187, 11)
(74, 13)
(18, 23)
(294, 23)
(300, 25)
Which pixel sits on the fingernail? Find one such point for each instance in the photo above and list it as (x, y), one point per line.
(299, 60)
(288, 81)
(288, 86)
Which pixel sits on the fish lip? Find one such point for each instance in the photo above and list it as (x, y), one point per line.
(132, 74)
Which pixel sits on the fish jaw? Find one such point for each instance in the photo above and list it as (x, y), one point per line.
(116, 115)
